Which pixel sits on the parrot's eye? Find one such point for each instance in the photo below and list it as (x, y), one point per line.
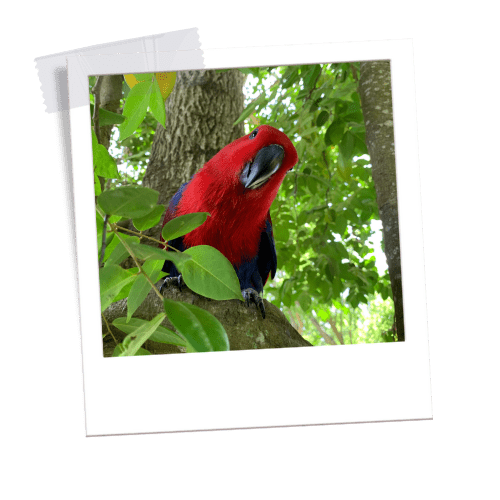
(254, 133)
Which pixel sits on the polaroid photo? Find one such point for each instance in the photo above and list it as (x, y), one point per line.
(229, 219)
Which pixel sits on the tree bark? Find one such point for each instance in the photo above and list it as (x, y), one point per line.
(108, 96)
(244, 326)
(201, 111)
(376, 100)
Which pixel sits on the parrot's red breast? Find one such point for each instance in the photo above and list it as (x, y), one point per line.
(238, 213)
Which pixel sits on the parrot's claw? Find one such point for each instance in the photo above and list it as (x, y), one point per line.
(172, 280)
(250, 295)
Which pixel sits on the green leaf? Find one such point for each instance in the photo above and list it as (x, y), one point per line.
(203, 332)
(182, 225)
(161, 334)
(107, 118)
(135, 108)
(323, 314)
(97, 185)
(344, 167)
(157, 104)
(141, 286)
(311, 76)
(337, 287)
(149, 220)
(354, 117)
(128, 201)
(312, 185)
(119, 349)
(134, 272)
(210, 274)
(322, 118)
(340, 248)
(112, 279)
(104, 164)
(120, 253)
(281, 233)
(111, 243)
(290, 78)
(334, 133)
(147, 252)
(359, 143)
(340, 307)
(340, 225)
(304, 301)
(142, 352)
(134, 340)
(346, 146)
(247, 71)
(143, 77)
(249, 109)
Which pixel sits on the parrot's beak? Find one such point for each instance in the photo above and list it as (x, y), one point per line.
(267, 162)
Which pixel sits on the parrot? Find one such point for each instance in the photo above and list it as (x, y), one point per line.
(237, 187)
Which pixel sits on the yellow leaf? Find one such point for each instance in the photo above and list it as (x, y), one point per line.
(166, 81)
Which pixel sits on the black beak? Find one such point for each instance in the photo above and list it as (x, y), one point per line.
(267, 161)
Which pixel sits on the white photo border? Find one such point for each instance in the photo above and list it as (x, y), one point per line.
(261, 388)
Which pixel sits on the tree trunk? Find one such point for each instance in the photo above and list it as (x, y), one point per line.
(200, 114)
(108, 92)
(376, 100)
(201, 111)
(244, 326)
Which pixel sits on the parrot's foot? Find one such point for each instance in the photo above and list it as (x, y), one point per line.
(250, 295)
(172, 280)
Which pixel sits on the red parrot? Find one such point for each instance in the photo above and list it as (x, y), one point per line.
(237, 187)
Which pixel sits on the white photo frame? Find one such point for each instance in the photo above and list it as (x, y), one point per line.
(261, 388)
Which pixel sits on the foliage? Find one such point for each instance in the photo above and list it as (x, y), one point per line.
(131, 153)
(342, 324)
(198, 331)
(323, 212)
(321, 217)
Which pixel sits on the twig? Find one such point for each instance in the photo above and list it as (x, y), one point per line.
(120, 228)
(328, 338)
(103, 244)
(96, 91)
(141, 271)
(336, 331)
(109, 329)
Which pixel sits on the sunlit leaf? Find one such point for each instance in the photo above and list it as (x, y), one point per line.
(147, 252)
(119, 253)
(210, 274)
(142, 286)
(182, 225)
(201, 329)
(135, 108)
(161, 334)
(150, 219)
(112, 279)
(104, 163)
(157, 104)
(128, 201)
(136, 339)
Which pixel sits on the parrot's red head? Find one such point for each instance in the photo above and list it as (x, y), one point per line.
(237, 187)
(260, 158)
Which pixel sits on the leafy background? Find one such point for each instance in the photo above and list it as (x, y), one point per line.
(449, 457)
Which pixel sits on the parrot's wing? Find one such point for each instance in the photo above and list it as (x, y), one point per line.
(169, 267)
(266, 260)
